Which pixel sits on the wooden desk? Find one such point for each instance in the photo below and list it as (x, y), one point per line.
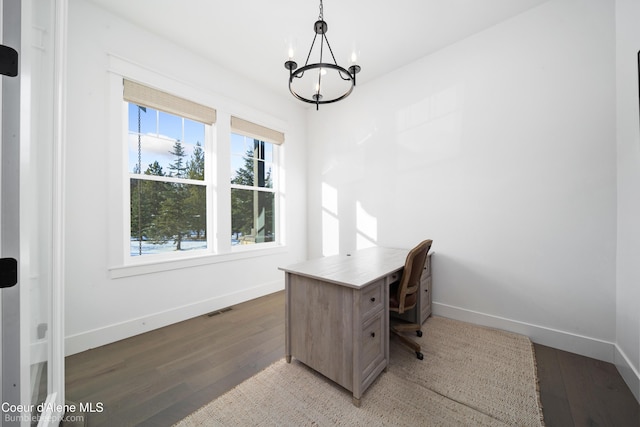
(337, 315)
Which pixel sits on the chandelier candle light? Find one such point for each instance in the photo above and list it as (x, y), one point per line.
(330, 83)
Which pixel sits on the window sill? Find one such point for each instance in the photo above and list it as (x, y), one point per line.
(156, 266)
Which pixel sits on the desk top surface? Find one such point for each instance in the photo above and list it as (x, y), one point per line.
(356, 270)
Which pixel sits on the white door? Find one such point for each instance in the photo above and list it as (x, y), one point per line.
(31, 172)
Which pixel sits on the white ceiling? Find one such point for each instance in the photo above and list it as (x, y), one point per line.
(249, 37)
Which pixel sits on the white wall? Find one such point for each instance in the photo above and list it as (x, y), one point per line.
(100, 308)
(628, 248)
(501, 148)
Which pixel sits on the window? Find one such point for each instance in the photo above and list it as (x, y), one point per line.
(166, 138)
(253, 183)
(175, 206)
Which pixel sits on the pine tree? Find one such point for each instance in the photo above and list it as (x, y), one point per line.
(154, 195)
(251, 210)
(195, 166)
(178, 167)
(197, 199)
(173, 221)
(146, 199)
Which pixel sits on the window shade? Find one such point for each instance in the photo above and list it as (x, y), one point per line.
(153, 98)
(253, 130)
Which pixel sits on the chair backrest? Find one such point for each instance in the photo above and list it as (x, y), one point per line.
(410, 280)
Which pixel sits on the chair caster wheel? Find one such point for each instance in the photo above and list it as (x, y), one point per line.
(419, 355)
(419, 333)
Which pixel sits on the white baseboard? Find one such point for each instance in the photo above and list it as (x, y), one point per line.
(628, 372)
(579, 344)
(112, 333)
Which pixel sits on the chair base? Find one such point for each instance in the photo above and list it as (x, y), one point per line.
(400, 328)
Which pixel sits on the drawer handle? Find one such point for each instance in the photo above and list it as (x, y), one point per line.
(373, 299)
(373, 334)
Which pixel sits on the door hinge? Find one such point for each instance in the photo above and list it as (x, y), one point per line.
(8, 272)
(8, 61)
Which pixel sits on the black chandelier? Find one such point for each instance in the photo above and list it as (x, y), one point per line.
(331, 83)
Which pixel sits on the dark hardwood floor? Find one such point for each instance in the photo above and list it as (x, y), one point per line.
(580, 391)
(160, 377)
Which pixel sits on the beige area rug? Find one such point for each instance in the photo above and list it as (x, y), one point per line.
(470, 376)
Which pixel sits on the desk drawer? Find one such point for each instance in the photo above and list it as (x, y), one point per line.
(425, 299)
(427, 266)
(372, 339)
(394, 277)
(372, 299)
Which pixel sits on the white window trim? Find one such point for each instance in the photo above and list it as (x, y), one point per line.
(155, 266)
(219, 246)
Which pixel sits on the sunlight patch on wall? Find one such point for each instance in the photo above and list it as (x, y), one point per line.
(330, 222)
(367, 228)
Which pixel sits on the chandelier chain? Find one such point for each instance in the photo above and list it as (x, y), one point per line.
(321, 16)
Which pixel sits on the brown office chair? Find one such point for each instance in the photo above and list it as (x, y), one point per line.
(403, 295)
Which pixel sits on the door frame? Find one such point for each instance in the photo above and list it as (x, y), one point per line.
(17, 26)
(54, 406)
(56, 374)
(14, 375)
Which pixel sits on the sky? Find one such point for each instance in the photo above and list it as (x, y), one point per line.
(159, 131)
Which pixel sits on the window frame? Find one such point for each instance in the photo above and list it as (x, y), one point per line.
(206, 182)
(274, 189)
(119, 262)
